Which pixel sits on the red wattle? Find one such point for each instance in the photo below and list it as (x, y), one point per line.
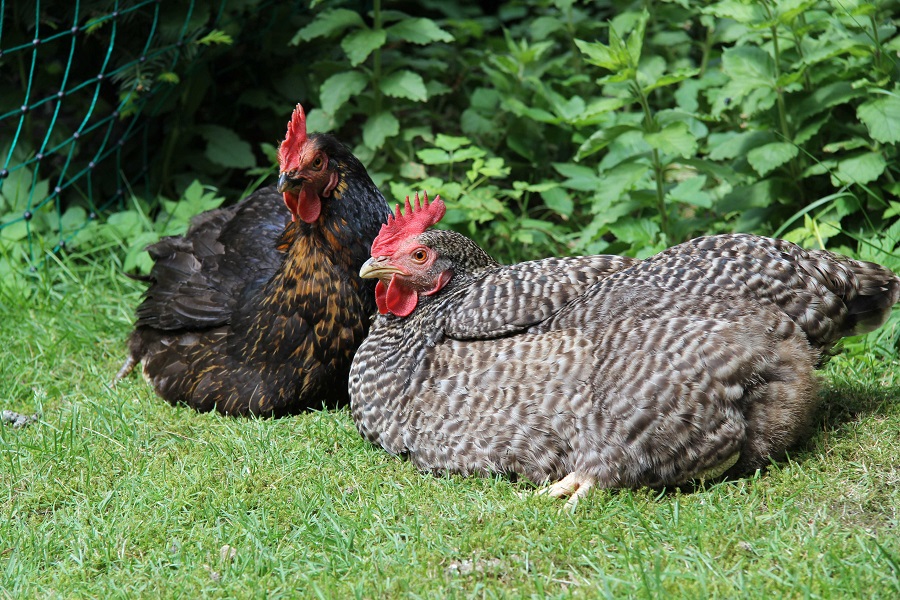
(381, 297)
(399, 300)
(309, 206)
(292, 202)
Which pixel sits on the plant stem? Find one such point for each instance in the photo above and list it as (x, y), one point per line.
(376, 59)
(658, 170)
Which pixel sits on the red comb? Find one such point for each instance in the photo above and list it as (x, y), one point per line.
(416, 220)
(289, 152)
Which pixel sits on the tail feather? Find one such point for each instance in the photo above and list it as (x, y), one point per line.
(868, 290)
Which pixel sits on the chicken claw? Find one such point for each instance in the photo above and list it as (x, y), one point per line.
(573, 486)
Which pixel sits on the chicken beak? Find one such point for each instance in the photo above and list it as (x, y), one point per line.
(282, 183)
(379, 267)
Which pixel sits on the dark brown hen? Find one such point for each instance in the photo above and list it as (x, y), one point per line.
(257, 310)
(600, 370)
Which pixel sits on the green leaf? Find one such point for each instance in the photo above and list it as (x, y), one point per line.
(601, 139)
(882, 118)
(15, 231)
(379, 128)
(766, 158)
(412, 170)
(742, 12)
(405, 84)
(676, 77)
(74, 217)
(728, 145)
(419, 31)
(319, 120)
(337, 89)
(637, 232)
(675, 138)
(578, 177)
(859, 169)
(559, 201)
(433, 156)
(690, 191)
(224, 147)
(328, 23)
(751, 73)
(635, 40)
(216, 36)
(826, 96)
(451, 142)
(600, 55)
(749, 65)
(360, 44)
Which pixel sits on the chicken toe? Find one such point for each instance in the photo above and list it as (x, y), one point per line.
(573, 486)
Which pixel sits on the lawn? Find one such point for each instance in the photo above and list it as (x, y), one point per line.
(114, 493)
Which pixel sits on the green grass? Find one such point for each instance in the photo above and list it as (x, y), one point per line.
(114, 493)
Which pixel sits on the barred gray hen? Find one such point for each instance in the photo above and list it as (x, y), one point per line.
(253, 312)
(695, 363)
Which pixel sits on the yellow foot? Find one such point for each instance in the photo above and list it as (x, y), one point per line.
(573, 486)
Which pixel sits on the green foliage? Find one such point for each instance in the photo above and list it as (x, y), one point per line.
(551, 127)
(583, 129)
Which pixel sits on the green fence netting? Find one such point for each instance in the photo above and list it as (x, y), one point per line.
(75, 80)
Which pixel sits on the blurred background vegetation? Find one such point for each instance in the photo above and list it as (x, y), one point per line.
(550, 126)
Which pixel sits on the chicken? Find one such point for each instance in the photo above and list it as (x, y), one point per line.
(252, 313)
(601, 371)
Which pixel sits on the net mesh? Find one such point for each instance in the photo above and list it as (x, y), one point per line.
(76, 80)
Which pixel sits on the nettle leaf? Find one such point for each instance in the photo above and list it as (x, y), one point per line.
(378, 128)
(319, 120)
(635, 41)
(578, 177)
(751, 73)
(675, 138)
(826, 96)
(412, 170)
(635, 231)
(419, 31)
(595, 111)
(690, 191)
(434, 156)
(360, 44)
(520, 109)
(749, 65)
(742, 12)
(859, 169)
(451, 142)
(337, 89)
(766, 158)
(600, 139)
(224, 147)
(328, 23)
(731, 144)
(601, 55)
(559, 201)
(676, 77)
(882, 118)
(405, 84)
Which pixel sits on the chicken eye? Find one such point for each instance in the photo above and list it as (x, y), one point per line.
(419, 256)
(317, 163)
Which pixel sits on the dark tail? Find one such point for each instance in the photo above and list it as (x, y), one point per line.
(868, 290)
